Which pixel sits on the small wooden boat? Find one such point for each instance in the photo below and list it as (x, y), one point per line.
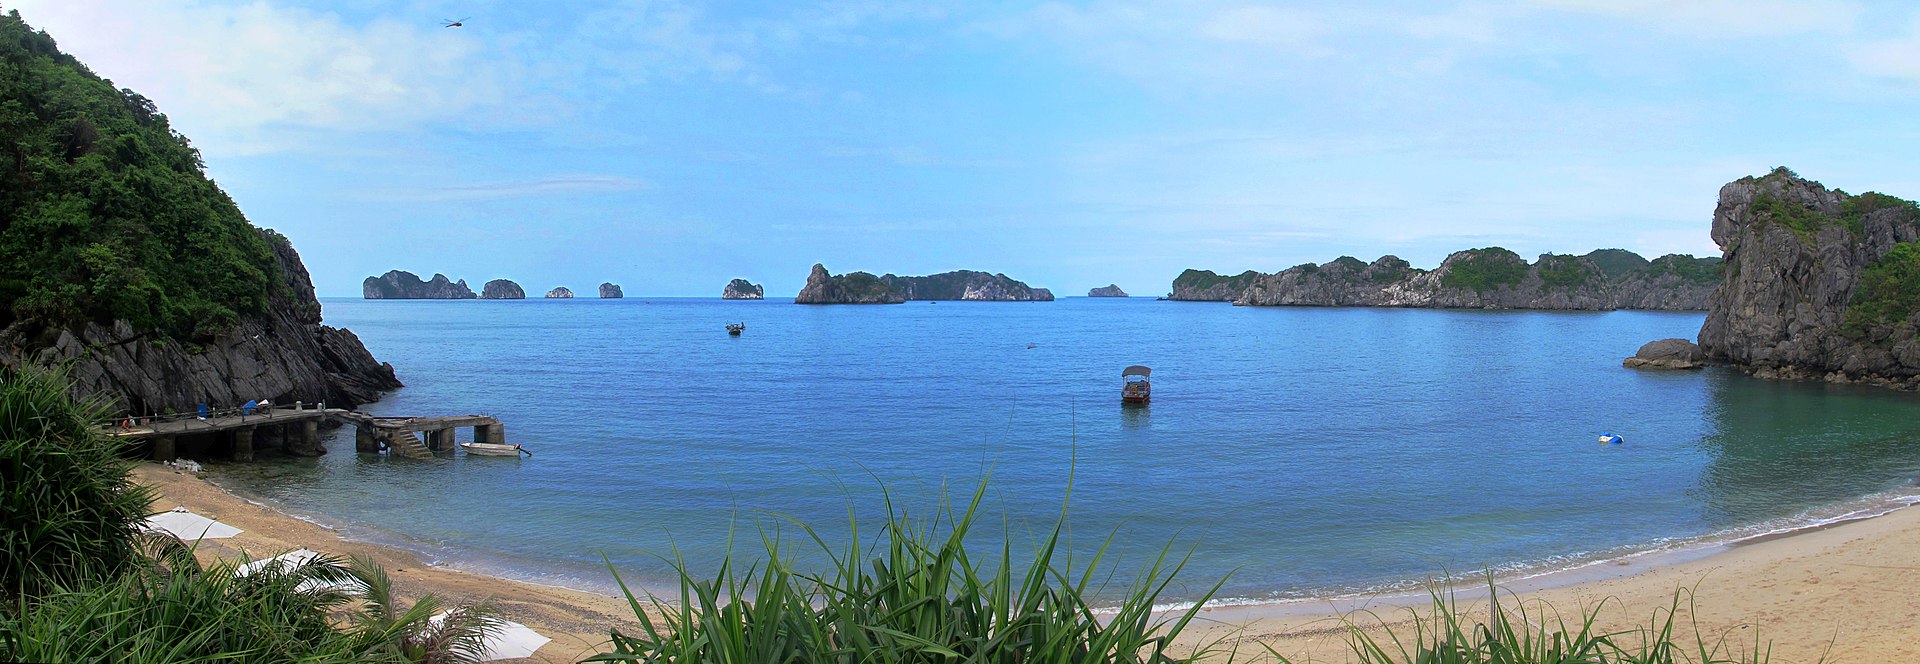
(494, 449)
(736, 328)
(1134, 386)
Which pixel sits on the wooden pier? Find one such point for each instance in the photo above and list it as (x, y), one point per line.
(299, 429)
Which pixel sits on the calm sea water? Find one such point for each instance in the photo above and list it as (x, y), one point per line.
(1294, 450)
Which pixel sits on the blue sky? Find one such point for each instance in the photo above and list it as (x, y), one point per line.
(672, 146)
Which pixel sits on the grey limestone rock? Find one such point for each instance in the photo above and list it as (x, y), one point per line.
(502, 289)
(741, 289)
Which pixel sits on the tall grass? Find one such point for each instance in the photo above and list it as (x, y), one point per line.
(915, 595)
(84, 583)
(68, 510)
(1518, 632)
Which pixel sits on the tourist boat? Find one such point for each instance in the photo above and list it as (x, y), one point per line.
(736, 328)
(494, 449)
(1134, 387)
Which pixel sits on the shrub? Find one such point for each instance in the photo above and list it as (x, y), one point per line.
(68, 511)
(1888, 291)
(1484, 269)
(916, 596)
(1534, 633)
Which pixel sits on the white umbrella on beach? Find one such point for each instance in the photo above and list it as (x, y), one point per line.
(290, 560)
(189, 527)
(512, 641)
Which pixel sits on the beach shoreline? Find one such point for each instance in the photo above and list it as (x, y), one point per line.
(1830, 584)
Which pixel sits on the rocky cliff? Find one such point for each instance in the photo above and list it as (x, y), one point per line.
(851, 288)
(1491, 278)
(1109, 290)
(1819, 283)
(1205, 286)
(966, 285)
(129, 267)
(741, 289)
(502, 289)
(561, 292)
(611, 290)
(285, 355)
(402, 285)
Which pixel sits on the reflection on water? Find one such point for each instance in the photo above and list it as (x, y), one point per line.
(1135, 416)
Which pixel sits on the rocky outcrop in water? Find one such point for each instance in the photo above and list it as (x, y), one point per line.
(1819, 283)
(850, 288)
(560, 292)
(403, 285)
(741, 289)
(1109, 290)
(1205, 286)
(1491, 278)
(286, 355)
(1667, 354)
(502, 289)
(611, 290)
(966, 285)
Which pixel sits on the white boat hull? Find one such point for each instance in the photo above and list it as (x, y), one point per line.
(490, 449)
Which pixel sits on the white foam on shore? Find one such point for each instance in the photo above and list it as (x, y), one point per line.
(1569, 569)
(1549, 572)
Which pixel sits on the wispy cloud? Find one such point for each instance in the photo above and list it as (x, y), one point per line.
(548, 186)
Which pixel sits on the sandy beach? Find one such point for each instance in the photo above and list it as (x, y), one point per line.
(1849, 592)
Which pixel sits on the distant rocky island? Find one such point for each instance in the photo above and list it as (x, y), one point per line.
(403, 285)
(502, 289)
(864, 288)
(611, 290)
(1819, 283)
(1109, 290)
(1490, 278)
(561, 292)
(741, 289)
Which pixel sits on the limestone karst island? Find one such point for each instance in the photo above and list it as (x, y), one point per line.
(1415, 333)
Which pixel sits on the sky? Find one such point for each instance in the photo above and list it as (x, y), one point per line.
(672, 146)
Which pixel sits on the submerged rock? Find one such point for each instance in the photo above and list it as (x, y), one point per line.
(610, 290)
(741, 289)
(1667, 354)
(502, 289)
(1110, 290)
(403, 285)
(851, 288)
(1819, 283)
(561, 292)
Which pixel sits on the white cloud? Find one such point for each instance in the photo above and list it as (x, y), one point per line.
(1728, 18)
(1896, 58)
(247, 76)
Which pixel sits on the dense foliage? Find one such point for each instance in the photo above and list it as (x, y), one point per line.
(916, 596)
(1888, 291)
(1703, 270)
(1484, 269)
(864, 284)
(1205, 279)
(67, 508)
(1567, 272)
(106, 212)
(84, 583)
(1616, 263)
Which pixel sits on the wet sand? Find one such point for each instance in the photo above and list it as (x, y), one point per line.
(1849, 592)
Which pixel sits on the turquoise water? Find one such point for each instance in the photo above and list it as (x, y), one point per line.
(1298, 450)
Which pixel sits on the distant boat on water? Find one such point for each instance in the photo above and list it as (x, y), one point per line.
(494, 449)
(736, 328)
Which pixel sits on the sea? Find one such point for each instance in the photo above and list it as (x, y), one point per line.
(1291, 452)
